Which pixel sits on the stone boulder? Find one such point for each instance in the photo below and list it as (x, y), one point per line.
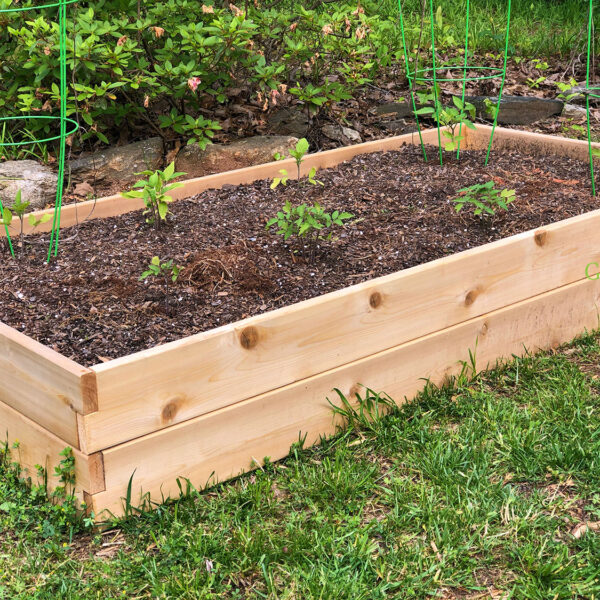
(572, 111)
(518, 110)
(119, 164)
(288, 121)
(37, 183)
(218, 158)
(344, 135)
(397, 110)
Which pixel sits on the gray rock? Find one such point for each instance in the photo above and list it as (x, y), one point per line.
(119, 164)
(572, 111)
(37, 183)
(519, 110)
(218, 158)
(399, 110)
(288, 121)
(398, 126)
(341, 134)
(579, 91)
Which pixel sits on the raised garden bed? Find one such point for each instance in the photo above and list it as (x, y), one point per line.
(209, 405)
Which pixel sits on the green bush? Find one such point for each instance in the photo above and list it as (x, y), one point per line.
(166, 66)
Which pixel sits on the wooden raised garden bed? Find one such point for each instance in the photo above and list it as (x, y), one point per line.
(211, 405)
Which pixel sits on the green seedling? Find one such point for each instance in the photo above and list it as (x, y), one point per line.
(484, 198)
(307, 223)
(154, 193)
(534, 83)
(167, 271)
(19, 209)
(298, 153)
(451, 117)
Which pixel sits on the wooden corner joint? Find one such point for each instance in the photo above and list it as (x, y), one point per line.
(96, 468)
(89, 392)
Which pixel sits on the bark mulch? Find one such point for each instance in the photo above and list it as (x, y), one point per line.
(90, 305)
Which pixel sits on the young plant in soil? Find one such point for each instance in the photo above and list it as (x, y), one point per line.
(167, 271)
(484, 198)
(154, 193)
(307, 224)
(19, 209)
(565, 90)
(453, 117)
(298, 154)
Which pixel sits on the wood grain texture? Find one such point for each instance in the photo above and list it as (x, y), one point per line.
(37, 446)
(224, 443)
(44, 385)
(172, 383)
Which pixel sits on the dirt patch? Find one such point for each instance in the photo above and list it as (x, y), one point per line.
(90, 305)
(587, 363)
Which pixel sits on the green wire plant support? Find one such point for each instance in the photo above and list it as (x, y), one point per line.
(429, 75)
(590, 92)
(63, 121)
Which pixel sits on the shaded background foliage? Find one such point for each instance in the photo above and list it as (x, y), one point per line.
(147, 68)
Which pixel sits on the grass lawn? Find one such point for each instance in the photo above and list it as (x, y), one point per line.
(486, 489)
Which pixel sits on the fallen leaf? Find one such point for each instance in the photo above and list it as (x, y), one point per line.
(584, 527)
(172, 154)
(83, 189)
(567, 181)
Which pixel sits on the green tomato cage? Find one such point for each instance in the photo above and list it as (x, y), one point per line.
(429, 75)
(67, 126)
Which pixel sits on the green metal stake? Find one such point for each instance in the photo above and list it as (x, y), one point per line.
(464, 87)
(411, 81)
(62, 24)
(62, 33)
(487, 156)
(6, 229)
(435, 89)
(587, 97)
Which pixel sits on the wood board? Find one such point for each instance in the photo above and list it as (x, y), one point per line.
(44, 385)
(232, 363)
(224, 443)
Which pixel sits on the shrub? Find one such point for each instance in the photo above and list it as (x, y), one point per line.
(172, 61)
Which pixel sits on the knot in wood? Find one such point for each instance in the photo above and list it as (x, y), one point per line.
(540, 237)
(169, 412)
(354, 391)
(249, 337)
(471, 297)
(375, 300)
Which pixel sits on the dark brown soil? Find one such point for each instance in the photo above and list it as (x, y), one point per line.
(90, 305)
